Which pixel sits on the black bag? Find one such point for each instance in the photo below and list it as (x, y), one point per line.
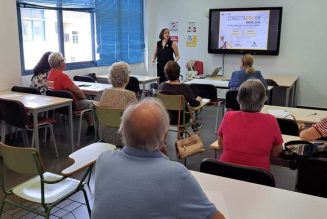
(295, 150)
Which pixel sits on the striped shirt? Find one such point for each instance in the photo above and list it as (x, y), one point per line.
(321, 127)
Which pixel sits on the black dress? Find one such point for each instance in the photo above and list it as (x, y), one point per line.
(164, 54)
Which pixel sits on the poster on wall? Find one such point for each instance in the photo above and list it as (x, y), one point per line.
(191, 30)
(191, 41)
(173, 26)
(174, 39)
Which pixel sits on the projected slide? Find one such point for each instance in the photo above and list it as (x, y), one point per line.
(244, 30)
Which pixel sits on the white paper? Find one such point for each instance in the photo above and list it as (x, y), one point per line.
(217, 198)
(205, 100)
(278, 113)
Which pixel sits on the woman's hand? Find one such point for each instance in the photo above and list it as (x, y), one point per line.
(198, 98)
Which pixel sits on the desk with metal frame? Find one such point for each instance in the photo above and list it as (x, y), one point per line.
(90, 88)
(40, 103)
(143, 79)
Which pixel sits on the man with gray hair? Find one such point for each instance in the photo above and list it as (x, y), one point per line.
(139, 181)
(58, 80)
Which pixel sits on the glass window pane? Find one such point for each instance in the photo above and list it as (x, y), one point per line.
(77, 27)
(39, 34)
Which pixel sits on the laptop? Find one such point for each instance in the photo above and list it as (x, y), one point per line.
(212, 75)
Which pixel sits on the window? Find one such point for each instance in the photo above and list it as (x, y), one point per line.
(47, 27)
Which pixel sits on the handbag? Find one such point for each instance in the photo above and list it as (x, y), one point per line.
(189, 146)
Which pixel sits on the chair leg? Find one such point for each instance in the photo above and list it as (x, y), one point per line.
(3, 132)
(54, 140)
(33, 140)
(79, 130)
(86, 201)
(25, 138)
(2, 204)
(89, 177)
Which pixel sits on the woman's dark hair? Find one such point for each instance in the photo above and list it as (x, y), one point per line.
(162, 32)
(43, 65)
(172, 70)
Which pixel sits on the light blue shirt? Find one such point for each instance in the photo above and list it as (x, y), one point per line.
(132, 183)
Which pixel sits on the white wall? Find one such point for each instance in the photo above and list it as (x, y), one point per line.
(9, 46)
(302, 50)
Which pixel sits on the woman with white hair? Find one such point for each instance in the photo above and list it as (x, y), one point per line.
(116, 98)
(248, 137)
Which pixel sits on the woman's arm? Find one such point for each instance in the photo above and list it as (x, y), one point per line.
(310, 134)
(175, 49)
(155, 55)
(276, 150)
(220, 142)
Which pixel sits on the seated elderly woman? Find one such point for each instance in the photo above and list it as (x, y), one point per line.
(174, 87)
(117, 97)
(248, 137)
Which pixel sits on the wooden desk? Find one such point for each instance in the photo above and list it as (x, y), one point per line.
(90, 88)
(86, 157)
(143, 79)
(243, 200)
(300, 114)
(40, 103)
(289, 82)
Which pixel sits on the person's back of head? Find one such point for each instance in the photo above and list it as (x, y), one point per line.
(144, 125)
(172, 70)
(251, 95)
(56, 60)
(43, 65)
(247, 63)
(119, 74)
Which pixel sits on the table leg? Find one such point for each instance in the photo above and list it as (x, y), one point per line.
(71, 126)
(287, 97)
(36, 130)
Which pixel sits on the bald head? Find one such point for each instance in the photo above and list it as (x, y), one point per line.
(144, 125)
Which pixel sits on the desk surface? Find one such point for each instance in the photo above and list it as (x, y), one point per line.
(34, 101)
(243, 200)
(90, 87)
(86, 156)
(300, 114)
(141, 78)
(217, 83)
(286, 138)
(283, 80)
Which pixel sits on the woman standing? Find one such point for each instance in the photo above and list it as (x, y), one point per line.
(164, 52)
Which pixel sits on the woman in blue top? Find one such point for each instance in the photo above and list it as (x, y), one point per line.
(247, 71)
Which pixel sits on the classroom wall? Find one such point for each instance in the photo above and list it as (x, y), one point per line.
(9, 46)
(302, 49)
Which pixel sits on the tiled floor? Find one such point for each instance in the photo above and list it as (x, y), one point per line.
(75, 208)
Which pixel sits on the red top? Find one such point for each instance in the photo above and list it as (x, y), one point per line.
(58, 80)
(321, 127)
(248, 138)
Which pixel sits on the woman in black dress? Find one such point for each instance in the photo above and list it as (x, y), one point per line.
(164, 51)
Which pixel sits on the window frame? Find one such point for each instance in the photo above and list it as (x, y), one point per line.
(61, 40)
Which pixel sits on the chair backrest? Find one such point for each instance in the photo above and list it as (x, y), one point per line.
(208, 91)
(64, 94)
(30, 90)
(271, 82)
(231, 100)
(198, 66)
(21, 160)
(312, 177)
(234, 171)
(177, 106)
(288, 126)
(13, 112)
(85, 78)
(133, 85)
(108, 117)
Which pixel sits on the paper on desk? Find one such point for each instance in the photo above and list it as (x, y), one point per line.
(205, 100)
(217, 198)
(278, 113)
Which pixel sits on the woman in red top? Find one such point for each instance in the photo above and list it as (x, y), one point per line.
(249, 137)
